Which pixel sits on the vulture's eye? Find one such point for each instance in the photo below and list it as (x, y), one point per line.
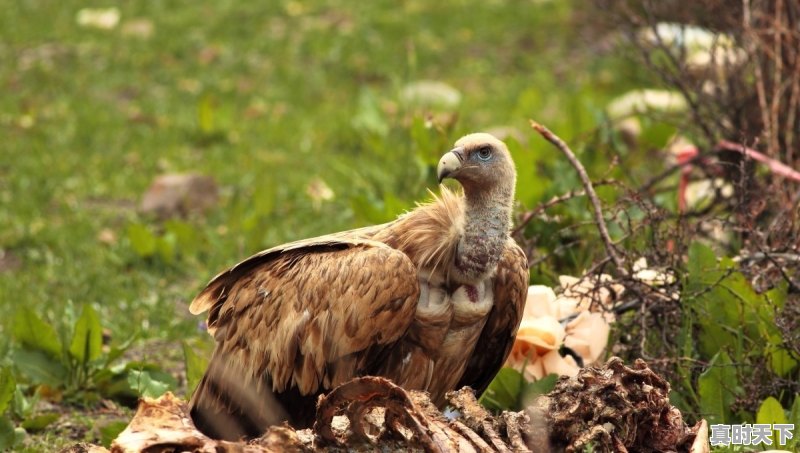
(484, 153)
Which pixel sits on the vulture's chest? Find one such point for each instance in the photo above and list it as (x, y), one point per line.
(453, 307)
(446, 327)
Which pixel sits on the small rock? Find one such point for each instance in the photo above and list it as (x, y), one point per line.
(176, 194)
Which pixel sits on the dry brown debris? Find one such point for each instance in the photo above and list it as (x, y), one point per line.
(614, 408)
(178, 195)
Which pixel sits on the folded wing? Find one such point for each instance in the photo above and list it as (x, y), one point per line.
(295, 320)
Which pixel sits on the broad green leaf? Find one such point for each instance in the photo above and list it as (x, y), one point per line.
(186, 238)
(533, 389)
(110, 431)
(7, 435)
(114, 385)
(717, 389)
(166, 246)
(144, 384)
(87, 340)
(714, 333)
(7, 388)
(40, 421)
(794, 414)
(701, 261)
(196, 365)
(117, 350)
(777, 295)
(781, 362)
(23, 406)
(205, 114)
(156, 372)
(142, 240)
(656, 134)
(741, 289)
(504, 391)
(33, 333)
(770, 412)
(19, 436)
(39, 367)
(794, 418)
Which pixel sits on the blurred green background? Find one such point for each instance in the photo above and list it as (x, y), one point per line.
(266, 97)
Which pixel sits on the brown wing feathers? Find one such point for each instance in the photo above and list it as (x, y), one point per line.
(299, 319)
(302, 319)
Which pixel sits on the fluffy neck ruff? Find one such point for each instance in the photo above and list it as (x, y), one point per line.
(456, 238)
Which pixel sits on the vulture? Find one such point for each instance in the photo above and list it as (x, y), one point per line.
(431, 300)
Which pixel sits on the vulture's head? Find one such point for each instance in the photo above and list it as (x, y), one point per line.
(480, 162)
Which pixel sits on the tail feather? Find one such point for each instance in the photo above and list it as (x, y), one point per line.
(229, 405)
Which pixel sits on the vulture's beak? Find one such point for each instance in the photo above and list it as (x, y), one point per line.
(450, 163)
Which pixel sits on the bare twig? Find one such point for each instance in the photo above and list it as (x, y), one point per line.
(575, 193)
(648, 186)
(587, 185)
(791, 257)
(773, 258)
(775, 166)
(759, 75)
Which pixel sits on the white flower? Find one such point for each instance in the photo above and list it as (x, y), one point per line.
(535, 350)
(688, 36)
(703, 47)
(642, 101)
(101, 18)
(542, 301)
(431, 93)
(587, 335)
(703, 190)
(655, 278)
(541, 334)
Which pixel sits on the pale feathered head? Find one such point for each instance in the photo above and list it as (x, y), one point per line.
(479, 162)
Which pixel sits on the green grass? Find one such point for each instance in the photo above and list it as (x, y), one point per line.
(263, 98)
(266, 97)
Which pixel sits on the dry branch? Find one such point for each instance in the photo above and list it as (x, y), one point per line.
(589, 188)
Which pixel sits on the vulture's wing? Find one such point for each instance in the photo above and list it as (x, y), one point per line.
(497, 338)
(295, 320)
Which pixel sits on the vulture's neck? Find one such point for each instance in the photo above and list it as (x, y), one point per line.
(487, 220)
(456, 237)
